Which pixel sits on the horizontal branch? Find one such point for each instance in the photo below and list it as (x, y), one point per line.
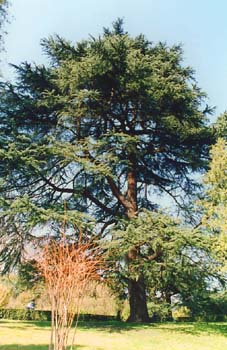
(86, 193)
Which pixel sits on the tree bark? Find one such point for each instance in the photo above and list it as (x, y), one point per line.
(132, 193)
(138, 301)
(136, 288)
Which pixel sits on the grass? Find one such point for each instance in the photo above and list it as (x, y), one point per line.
(18, 335)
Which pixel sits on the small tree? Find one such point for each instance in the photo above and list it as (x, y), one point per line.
(67, 268)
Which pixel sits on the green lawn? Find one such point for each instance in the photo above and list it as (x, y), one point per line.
(15, 335)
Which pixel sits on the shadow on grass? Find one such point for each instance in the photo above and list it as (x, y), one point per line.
(185, 328)
(101, 326)
(23, 347)
(196, 328)
(33, 347)
(119, 327)
(112, 326)
(25, 324)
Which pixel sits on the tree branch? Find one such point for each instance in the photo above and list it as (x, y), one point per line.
(117, 193)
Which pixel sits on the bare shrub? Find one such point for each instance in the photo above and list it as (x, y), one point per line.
(67, 269)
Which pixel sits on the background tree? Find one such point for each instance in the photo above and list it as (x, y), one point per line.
(214, 204)
(213, 207)
(5, 292)
(220, 126)
(3, 18)
(108, 123)
(28, 276)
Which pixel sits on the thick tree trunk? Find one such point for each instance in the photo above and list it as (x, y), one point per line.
(138, 301)
(136, 288)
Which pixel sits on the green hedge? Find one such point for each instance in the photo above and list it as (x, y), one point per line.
(20, 314)
(211, 318)
(40, 315)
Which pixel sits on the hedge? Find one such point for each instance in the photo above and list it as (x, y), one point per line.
(26, 315)
(45, 315)
(42, 315)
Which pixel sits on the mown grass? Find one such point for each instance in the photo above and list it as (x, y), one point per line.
(18, 335)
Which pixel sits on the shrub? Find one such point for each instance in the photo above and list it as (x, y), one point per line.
(25, 315)
(45, 315)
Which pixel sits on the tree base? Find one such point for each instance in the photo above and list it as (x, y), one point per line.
(133, 319)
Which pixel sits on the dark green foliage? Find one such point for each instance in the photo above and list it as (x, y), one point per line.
(174, 260)
(76, 128)
(45, 315)
(28, 275)
(209, 305)
(19, 314)
(13, 235)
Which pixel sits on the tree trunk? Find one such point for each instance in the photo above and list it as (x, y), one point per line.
(138, 301)
(136, 288)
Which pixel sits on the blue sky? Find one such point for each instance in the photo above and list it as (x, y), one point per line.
(200, 25)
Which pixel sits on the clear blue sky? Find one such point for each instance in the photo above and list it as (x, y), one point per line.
(200, 25)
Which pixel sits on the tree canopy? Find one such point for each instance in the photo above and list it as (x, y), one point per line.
(104, 110)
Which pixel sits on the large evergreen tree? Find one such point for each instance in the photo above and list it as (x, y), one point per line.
(110, 121)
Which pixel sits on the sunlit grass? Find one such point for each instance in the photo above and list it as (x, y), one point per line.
(17, 335)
